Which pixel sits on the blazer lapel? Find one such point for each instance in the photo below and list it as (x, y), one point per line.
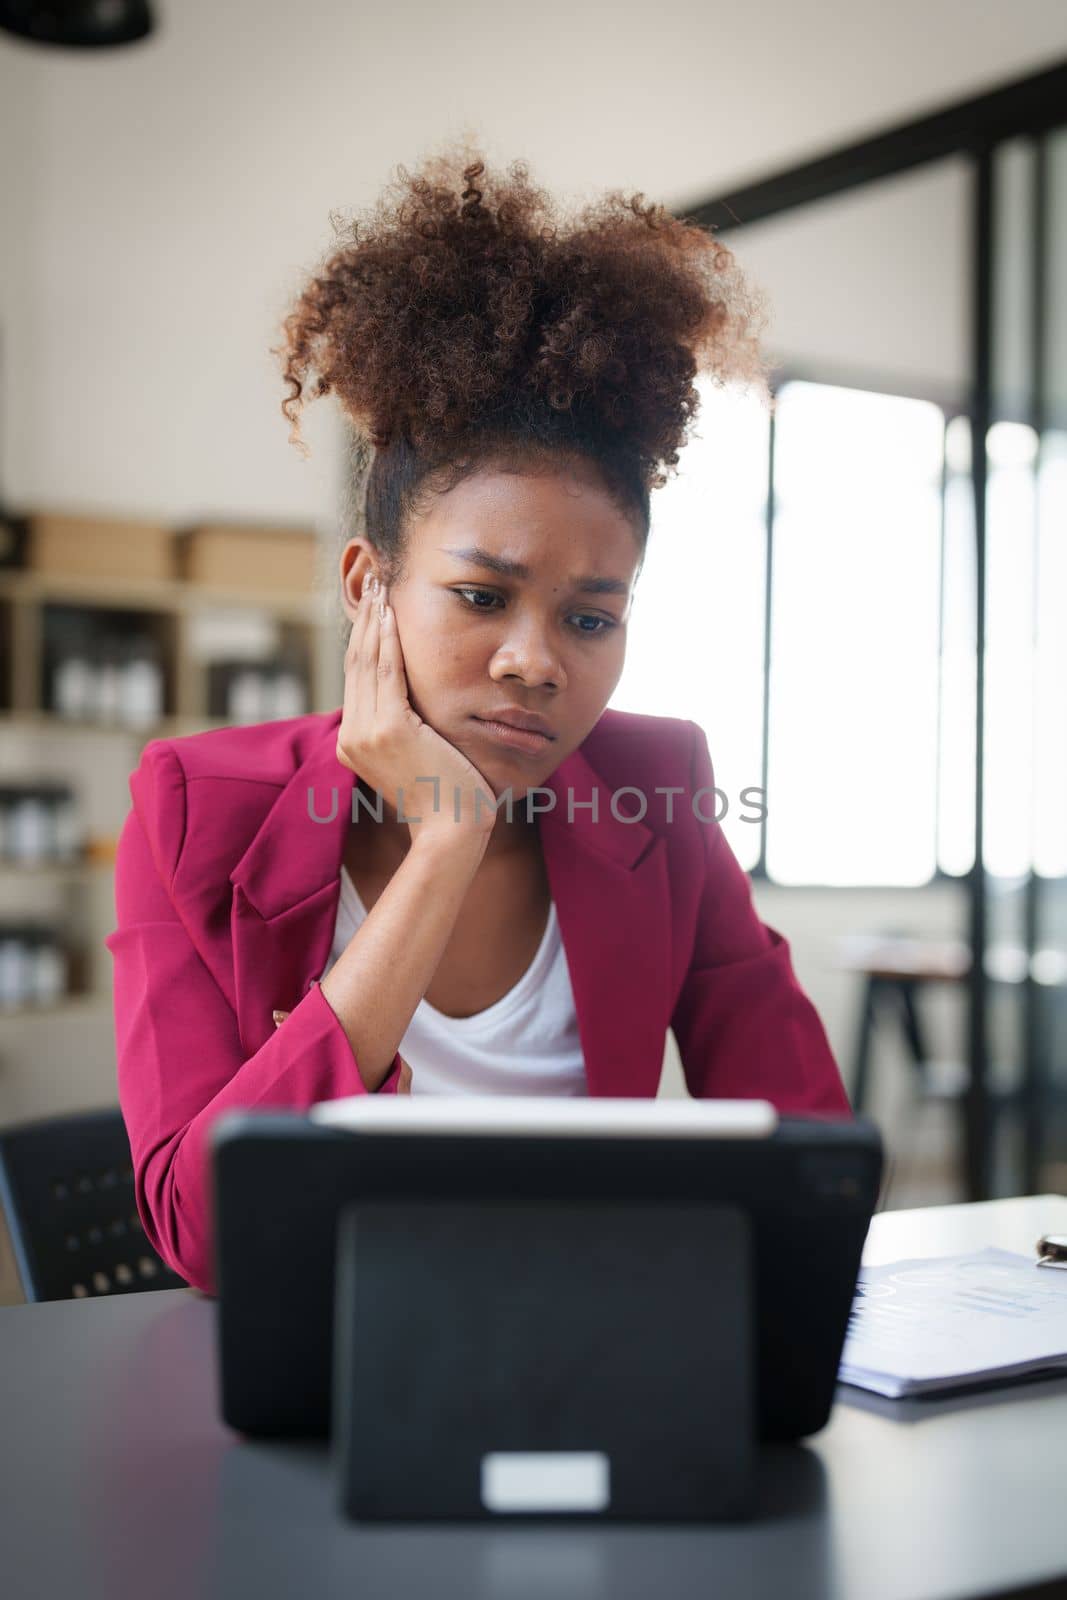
(286, 888)
(608, 878)
(609, 882)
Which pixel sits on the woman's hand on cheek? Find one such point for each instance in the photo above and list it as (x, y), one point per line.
(387, 744)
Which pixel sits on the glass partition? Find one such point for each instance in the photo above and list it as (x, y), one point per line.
(1025, 714)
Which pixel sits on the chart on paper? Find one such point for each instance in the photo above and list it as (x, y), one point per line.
(921, 1325)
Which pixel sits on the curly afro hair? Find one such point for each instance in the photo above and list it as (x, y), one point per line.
(464, 320)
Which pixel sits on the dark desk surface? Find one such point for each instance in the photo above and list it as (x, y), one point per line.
(117, 1480)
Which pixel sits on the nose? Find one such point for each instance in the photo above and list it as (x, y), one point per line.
(527, 653)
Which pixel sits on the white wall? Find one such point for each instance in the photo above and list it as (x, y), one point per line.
(161, 202)
(873, 284)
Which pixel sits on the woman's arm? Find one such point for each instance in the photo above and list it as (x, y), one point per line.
(385, 969)
(744, 1026)
(180, 1061)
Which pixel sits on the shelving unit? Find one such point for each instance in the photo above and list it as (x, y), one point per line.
(165, 608)
(53, 871)
(87, 1005)
(61, 1056)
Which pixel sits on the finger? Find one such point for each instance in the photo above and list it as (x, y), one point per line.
(359, 689)
(392, 698)
(368, 657)
(359, 622)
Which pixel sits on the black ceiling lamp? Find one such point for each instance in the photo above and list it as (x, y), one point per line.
(78, 24)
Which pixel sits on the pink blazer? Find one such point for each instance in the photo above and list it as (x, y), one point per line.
(226, 890)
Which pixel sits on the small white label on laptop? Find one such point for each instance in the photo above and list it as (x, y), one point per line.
(546, 1480)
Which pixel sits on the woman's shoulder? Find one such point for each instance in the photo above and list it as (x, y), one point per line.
(640, 742)
(264, 751)
(220, 781)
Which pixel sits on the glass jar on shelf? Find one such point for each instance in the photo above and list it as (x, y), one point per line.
(30, 828)
(48, 968)
(67, 842)
(109, 661)
(34, 966)
(141, 692)
(246, 697)
(16, 978)
(288, 696)
(74, 680)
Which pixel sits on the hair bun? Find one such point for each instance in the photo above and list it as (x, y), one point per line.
(466, 300)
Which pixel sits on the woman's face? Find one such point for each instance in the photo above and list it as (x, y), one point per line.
(516, 592)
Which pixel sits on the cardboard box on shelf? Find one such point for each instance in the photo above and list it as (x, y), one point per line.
(99, 547)
(241, 557)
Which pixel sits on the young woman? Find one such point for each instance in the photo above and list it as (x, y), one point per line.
(470, 877)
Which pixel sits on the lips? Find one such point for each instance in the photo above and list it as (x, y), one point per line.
(526, 740)
(512, 717)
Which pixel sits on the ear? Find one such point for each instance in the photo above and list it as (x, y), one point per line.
(359, 559)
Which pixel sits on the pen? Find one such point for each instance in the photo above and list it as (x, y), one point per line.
(1052, 1250)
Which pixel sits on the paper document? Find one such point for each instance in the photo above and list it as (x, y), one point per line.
(917, 1326)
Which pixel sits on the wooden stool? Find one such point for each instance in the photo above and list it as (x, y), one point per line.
(893, 968)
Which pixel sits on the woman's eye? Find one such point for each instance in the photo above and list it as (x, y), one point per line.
(603, 625)
(479, 594)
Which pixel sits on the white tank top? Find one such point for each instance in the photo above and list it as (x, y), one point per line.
(526, 1043)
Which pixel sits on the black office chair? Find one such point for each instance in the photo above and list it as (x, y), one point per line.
(66, 1188)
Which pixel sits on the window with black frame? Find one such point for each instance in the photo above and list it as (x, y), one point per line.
(867, 689)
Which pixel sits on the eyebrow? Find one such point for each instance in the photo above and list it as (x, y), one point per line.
(477, 557)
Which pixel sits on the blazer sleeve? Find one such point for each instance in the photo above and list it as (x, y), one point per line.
(744, 1026)
(180, 1062)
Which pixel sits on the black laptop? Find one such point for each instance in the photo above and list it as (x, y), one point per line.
(282, 1182)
